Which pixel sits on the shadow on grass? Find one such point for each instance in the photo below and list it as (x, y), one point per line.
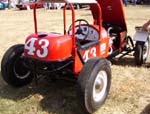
(146, 110)
(128, 61)
(58, 97)
(61, 98)
(15, 94)
(125, 61)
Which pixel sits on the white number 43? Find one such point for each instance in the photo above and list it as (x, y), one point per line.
(42, 45)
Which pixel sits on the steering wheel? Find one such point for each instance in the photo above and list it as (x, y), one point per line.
(80, 32)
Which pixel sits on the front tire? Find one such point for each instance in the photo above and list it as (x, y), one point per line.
(141, 52)
(13, 67)
(94, 83)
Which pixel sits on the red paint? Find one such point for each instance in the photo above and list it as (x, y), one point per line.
(112, 12)
(63, 46)
(56, 43)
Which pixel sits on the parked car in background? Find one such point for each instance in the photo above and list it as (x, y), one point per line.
(49, 5)
(78, 6)
(3, 4)
(27, 4)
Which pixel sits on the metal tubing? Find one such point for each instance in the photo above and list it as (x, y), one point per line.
(35, 19)
(64, 14)
(100, 19)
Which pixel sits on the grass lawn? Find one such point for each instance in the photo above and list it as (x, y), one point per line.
(130, 89)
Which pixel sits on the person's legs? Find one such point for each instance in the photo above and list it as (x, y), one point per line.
(148, 2)
(133, 2)
(125, 2)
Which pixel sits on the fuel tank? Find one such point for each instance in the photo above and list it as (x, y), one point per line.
(48, 46)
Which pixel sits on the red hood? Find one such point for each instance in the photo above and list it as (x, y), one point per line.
(112, 12)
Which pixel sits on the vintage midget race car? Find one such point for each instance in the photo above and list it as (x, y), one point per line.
(83, 51)
(27, 4)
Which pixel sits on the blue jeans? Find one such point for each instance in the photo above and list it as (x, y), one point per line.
(134, 2)
(125, 2)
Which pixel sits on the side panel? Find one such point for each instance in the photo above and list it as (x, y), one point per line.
(100, 50)
(104, 47)
(86, 54)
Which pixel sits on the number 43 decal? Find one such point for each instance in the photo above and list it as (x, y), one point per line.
(42, 45)
(89, 52)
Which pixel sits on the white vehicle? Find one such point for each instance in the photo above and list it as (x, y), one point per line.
(49, 5)
(142, 47)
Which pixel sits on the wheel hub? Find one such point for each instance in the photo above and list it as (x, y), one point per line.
(100, 86)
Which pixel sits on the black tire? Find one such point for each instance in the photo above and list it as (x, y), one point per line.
(13, 68)
(89, 86)
(141, 52)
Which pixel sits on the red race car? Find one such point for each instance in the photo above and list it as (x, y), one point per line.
(29, 5)
(82, 51)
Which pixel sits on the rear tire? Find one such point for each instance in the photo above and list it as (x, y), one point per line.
(141, 52)
(93, 84)
(13, 67)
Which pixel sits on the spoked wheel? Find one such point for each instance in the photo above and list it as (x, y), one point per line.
(94, 83)
(13, 67)
(141, 52)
